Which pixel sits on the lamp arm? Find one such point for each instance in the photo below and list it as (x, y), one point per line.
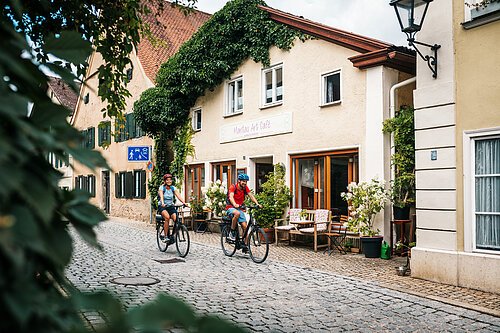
(430, 59)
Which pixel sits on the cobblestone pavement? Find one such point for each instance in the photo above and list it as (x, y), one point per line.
(295, 290)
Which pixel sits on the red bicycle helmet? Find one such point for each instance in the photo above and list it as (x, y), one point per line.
(167, 175)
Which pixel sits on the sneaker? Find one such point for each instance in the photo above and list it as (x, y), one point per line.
(232, 235)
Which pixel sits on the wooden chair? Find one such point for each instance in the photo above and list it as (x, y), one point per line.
(322, 219)
(337, 232)
(284, 226)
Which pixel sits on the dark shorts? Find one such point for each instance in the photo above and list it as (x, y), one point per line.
(170, 210)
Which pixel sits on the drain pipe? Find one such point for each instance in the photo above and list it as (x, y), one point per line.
(392, 112)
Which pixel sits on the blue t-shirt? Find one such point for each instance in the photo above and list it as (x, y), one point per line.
(168, 195)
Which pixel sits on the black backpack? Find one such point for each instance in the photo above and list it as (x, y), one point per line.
(228, 202)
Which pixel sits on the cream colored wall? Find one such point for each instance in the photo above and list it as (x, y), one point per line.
(312, 124)
(89, 115)
(470, 59)
(314, 128)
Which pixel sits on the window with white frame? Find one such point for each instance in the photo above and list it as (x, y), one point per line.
(330, 88)
(235, 96)
(484, 191)
(273, 84)
(197, 119)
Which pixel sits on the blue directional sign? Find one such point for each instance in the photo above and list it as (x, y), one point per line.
(138, 153)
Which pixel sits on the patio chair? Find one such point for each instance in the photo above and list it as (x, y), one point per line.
(322, 218)
(337, 232)
(284, 226)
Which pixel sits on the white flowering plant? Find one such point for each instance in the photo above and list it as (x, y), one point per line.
(365, 200)
(216, 195)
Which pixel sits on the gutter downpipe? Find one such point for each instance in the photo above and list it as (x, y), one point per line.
(392, 113)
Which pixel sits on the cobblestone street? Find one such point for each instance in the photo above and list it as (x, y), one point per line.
(280, 295)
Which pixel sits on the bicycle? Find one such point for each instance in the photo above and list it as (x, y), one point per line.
(258, 246)
(179, 233)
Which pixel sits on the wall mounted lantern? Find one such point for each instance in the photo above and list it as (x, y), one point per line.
(411, 23)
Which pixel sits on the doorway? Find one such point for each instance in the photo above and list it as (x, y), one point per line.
(319, 179)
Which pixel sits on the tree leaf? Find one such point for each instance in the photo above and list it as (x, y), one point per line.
(69, 46)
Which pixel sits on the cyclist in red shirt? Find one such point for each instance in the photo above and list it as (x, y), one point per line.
(236, 196)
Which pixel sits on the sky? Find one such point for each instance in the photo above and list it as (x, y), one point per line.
(370, 18)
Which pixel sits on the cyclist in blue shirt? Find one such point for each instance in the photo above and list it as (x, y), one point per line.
(166, 207)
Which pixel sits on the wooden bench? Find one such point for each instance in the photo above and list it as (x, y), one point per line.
(319, 221)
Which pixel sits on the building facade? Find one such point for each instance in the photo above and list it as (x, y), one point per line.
(121, 189)
(318, 109)
(458, 148)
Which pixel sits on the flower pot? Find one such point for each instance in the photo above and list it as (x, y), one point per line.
(269, 234)
(401, 213)
(372, 246)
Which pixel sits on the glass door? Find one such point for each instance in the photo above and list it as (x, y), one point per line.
(310, 183)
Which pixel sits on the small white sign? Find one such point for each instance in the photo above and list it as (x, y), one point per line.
(257, 128)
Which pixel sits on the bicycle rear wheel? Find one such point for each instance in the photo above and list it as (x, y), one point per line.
(182, 241)
(160, 235)
(257, 245)
(228, 246)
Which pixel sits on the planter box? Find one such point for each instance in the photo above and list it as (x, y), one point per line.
(481, 11)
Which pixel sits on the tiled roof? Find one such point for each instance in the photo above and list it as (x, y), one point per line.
(64, 94)
(173, 28)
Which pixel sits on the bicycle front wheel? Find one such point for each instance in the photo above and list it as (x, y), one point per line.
(182, 241)
(258, 245)
(160, 236)
(228, 246)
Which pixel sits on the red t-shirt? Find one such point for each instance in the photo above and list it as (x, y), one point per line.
(239, 195)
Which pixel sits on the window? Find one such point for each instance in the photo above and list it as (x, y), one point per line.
(225, 172)
(86, 183)
(273, 85)
(197, 119)
(104, 134)
(139, 184)
(480, 12)
(195, 180)
(130, 72)
(330, 90)
(127, 129)
(130, 184)
(88, 138)
(484, 190)
(235, 96)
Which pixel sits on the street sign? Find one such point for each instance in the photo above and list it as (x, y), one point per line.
(138, 153)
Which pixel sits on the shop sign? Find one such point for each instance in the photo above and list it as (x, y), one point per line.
(271, 125)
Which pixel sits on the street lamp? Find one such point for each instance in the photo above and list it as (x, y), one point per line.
(411, 23)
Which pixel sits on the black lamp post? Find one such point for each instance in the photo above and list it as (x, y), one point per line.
(411, 24)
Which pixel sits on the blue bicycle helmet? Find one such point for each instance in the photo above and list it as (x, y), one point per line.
(243, 176)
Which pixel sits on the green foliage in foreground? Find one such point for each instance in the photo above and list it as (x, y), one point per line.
(235, 33)
(35, 215)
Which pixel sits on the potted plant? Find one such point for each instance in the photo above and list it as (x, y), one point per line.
(402, 190)
(274, 198)
(365, 200)
(197, 205)
(216, 194)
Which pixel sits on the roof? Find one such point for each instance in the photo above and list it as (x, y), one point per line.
(173, 28)
(64, 94)
(373, 52)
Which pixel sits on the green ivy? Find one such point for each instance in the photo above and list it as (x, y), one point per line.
(235, 33)
(403, 185)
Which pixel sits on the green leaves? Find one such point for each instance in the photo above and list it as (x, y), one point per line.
(69, 45)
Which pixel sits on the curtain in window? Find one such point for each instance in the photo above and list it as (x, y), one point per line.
(487, 194)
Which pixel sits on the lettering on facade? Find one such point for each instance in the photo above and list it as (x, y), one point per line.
(272, 125)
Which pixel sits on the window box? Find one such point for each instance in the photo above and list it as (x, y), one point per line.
(484, 10)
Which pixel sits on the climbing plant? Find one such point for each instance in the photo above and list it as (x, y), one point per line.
(235, 33)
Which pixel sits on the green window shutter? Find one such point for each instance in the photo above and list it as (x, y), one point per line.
(92, 185)
(118, 131)
(77, 183)
(83, 138)
(107, 132)
(129, 185)
(117, 185)
(100, 135)
(143, 184)
(131, 126)
(91, 137)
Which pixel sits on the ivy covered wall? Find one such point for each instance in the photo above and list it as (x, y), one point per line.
(237, 32)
